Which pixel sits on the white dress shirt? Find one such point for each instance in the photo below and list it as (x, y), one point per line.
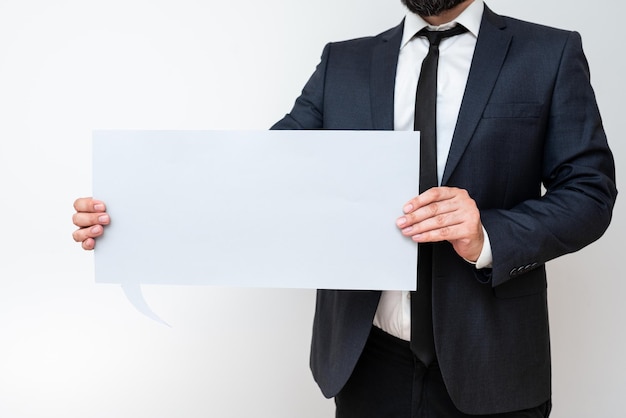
(455, 57)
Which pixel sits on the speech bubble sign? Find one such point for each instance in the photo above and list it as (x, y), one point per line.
(283, 209)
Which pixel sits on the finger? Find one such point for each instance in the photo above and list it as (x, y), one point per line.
(437, 210)
(85, 219)
(82, 234)
(440, 215)
(433, 232)
(466, 240)
(89, 244)
(453, 226)
(88, 204)
(431, 195)
(439, 225)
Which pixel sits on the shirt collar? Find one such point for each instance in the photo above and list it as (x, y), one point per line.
(470, 18)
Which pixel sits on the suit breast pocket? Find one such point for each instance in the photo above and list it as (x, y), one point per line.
(512, 110)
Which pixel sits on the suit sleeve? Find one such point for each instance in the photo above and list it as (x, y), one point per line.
(307, 112)
(578, 174)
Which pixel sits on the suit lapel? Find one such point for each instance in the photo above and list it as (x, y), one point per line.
(383, 75)
(491, 49)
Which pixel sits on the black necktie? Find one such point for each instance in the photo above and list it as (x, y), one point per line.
(422, 341)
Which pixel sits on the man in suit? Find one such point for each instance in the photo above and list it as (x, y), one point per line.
(515, 112)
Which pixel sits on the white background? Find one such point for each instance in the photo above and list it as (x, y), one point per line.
(71, 348)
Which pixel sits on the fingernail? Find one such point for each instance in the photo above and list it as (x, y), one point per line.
(407, 230)
(408, 208)
(98, 207)
(96, 229)
(103, 218)
(401, 221)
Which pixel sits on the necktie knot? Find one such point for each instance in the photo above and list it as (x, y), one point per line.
(435, 36)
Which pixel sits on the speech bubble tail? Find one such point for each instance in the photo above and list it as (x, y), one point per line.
(134, 295)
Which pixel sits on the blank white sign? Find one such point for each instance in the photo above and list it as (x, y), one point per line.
(288, 209)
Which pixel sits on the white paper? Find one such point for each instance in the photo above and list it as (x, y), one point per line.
(288, 209)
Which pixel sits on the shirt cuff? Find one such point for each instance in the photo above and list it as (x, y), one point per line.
(485, 259)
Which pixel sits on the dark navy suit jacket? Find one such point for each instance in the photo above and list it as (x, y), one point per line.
(528, 118)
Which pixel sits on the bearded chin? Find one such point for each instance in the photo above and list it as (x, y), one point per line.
(430, 7)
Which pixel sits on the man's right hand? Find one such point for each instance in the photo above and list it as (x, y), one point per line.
(90, 218)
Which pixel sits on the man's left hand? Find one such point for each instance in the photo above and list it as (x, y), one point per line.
(444, 214)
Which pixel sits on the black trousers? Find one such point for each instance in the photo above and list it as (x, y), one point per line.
(390, 382)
